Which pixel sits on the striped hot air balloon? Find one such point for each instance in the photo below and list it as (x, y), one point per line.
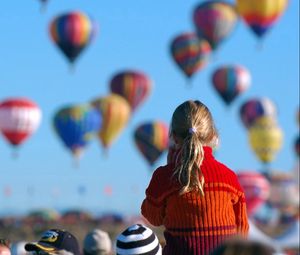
(261, 15)
(190, 53)
(134, 86)
(72, 32)
(256, 187)
(151, 139)
(230, 81)
(19, 119)
(215, 20)
(254, 108)
(115, 112)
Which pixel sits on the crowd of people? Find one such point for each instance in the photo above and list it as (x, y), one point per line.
(197, 199)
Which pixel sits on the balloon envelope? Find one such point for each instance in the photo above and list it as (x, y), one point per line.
(115, 112)
(134, 86)
(230, 81)
(261, 15)
(256, 187)
(72, 32)
(284, 191)
(190, 53)
(151, 139)
(265, 139)
(19, 119)
(214, 20)
(76, 125)
(254, 108)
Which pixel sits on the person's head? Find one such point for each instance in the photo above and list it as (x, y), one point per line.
(192, 127)
(137, 239)
(4, 246)
(243, 247)
(97, 242)
(55, 241)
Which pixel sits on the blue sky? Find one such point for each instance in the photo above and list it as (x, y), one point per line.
(132, 35)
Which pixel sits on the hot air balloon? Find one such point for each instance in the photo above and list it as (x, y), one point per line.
(190, 53)
(256, 187)
(260, 15)
(19, 119)
(230, 81)
(284, 191)
(151, 139)
(76, 126)
(265, 139)
(115, 112)
(134, 86)
(214, 20)
(254, 108)
(72, 32)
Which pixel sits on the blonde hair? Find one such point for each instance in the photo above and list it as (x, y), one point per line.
(193, 126)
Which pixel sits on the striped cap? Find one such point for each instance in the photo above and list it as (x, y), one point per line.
(138, 240)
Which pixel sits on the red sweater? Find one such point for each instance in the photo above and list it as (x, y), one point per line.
(195, 224)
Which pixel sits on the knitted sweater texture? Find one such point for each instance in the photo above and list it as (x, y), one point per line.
(195, 224)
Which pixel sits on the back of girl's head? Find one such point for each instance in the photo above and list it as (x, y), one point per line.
(192, 127)
(194, 117)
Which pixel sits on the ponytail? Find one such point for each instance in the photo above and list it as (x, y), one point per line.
(188, 170)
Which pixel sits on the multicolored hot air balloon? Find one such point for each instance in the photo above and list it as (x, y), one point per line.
(230, 81)
(254, 108)
(115, 112)
(284, 191)
(215, 20)
(190, 53)
(19, 119)
(72, 32)
(265, 139)
(256, 187)
(260, 15)
(152, 139)
(77, 125)
(134, 86)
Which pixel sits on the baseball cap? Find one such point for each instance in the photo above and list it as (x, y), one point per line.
(97, 242)
(54, 240)
(138, 239)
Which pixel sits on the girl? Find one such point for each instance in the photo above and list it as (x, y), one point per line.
(198, 199)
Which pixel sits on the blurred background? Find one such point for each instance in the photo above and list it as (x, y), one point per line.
(88, 90)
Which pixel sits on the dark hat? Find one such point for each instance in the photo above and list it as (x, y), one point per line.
(54, 240)
(138, 239)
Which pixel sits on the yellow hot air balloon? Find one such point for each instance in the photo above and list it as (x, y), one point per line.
(115, 112)
(265, 139)
(261, 15)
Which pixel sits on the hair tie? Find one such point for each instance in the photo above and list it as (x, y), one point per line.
(192, 130)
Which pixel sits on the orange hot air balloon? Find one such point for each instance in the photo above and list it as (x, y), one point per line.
(134, 86)
(261, 15)
(115, 112)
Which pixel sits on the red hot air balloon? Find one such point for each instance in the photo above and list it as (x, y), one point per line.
(72, 32)
(230, 81)
(256, 187)
(190, 53)
(19, 118)
(134, 86)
